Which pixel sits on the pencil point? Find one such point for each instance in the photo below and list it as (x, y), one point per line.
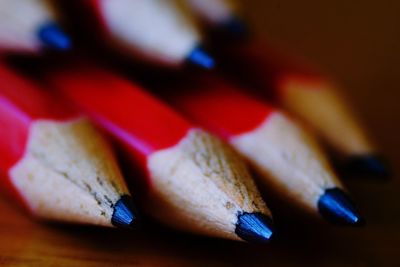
(235, 27)
(201, 58)
(336, 206)
(254, 227)
(124, 215)
(368, 165)
(54, 37)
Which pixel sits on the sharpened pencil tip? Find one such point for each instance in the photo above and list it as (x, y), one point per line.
(372, 166)
(234, 26)
(125, 215)
(54, 37)
(336, 206)
(199, 57)
(254, 227)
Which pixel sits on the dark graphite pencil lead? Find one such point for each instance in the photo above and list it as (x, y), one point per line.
(372, 166)
(336, 206)
(199, 57)
(53, 37)
(234, 27)
(125, 214)
(254, 227)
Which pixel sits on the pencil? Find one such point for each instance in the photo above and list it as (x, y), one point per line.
(194, 182)
(30, 26)
(287, 157)
(151, 30)
(308, 94)
(316, 101)
(221, 16)
(55, 162)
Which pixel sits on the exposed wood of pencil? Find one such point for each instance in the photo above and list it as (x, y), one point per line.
(153, 30)
(195, 182)
(29, 26)
(214, 12)
(54, 159)
(318, 103)
(287, 156)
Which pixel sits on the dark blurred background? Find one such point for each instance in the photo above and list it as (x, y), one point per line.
(357, 43)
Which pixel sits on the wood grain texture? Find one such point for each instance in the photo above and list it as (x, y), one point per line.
(358, 43)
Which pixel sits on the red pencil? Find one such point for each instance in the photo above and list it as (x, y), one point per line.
(288, 158)
(54, 160)
(311, 97)
(194, 181)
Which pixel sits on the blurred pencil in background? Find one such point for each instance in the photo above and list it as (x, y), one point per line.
(304, 92)
(30, 26)
(55, 162)
(194, 181)
(219, 15)
(155, 31)
(288, 159)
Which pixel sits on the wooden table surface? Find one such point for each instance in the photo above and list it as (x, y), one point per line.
(358, 43)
